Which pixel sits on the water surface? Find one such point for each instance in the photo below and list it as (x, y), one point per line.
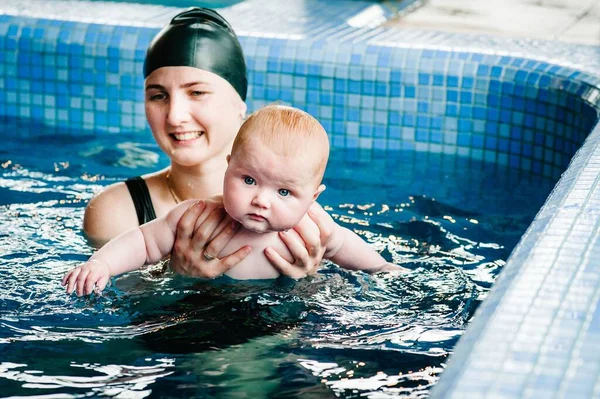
(450, 220)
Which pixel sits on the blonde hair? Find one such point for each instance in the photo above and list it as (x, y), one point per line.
(289, 132)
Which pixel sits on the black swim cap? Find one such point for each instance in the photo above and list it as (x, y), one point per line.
(200, 38)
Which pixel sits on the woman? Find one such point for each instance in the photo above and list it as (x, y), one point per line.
(195, 90)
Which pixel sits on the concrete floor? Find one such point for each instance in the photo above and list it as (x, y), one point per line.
(571, 21)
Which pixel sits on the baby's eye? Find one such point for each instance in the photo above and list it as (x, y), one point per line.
(249, 180)
(283, 192)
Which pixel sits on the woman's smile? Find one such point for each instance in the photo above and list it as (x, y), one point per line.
(187, 136)
(186, 139)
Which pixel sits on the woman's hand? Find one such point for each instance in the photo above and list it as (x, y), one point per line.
(202, 233)
(307, 243)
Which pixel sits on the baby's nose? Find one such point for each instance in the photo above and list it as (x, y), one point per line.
(261, 200)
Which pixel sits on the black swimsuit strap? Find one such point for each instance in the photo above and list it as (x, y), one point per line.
(141, 199)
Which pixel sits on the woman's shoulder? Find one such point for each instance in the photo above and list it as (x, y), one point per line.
(109, 213)
(109, 197)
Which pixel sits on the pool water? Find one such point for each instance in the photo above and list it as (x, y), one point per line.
(452, 221)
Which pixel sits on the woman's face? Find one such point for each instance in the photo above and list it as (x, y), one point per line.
(194, 114)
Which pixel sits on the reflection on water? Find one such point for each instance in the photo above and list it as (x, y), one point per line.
(110, 380)
(451, 221)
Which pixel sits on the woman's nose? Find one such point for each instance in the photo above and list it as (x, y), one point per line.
(178, 112)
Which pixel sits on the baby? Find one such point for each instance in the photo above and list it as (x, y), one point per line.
(273, 176)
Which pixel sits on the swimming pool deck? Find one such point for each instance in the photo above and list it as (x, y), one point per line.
(537, 334)
(568, 21)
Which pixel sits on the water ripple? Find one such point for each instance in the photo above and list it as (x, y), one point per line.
(338, 333)
(106, 380)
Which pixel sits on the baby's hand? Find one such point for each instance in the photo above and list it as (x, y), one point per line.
(390, 267)
(86, 276)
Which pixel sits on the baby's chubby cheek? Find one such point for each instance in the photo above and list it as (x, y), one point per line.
(228, 210)
(231, 212)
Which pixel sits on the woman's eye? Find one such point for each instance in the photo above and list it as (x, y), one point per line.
(248, 180)
(197, 93)
(157, 97)
(283, 192)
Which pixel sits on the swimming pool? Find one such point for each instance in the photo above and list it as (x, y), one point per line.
(335, 333)
(465, 122)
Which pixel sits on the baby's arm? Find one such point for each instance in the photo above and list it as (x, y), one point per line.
(349, 251)
(131, 250)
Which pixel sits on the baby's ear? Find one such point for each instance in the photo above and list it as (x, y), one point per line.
(228, 158)
(320, 189)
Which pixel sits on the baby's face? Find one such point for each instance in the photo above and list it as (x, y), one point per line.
(266, 192)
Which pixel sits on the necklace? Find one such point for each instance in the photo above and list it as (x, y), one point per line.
(175, 197)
